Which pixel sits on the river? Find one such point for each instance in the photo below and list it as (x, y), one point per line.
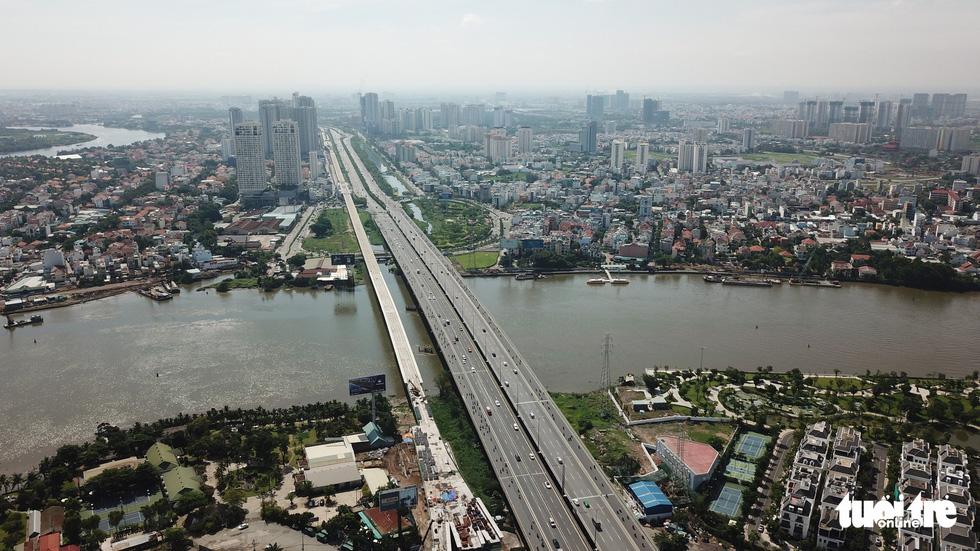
(103, 137)
(99, 361)
(558, 324)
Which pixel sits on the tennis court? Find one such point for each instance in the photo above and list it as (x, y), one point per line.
(728, 501)
(740, 471)
(130, 519)
(102, 507)
(751, 445)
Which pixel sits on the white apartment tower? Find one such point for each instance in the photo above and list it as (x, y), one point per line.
(524, 139)
(617, 155)
(286, 153)
(642, 155)
(250, 157)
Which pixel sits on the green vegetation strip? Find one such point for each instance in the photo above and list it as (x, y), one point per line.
(361, 148)
(13, 140)
(474, 465)
(455, 224)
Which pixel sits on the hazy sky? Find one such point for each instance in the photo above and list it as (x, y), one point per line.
(404, 46)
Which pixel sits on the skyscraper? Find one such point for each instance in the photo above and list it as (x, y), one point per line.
(622, 101)
(587, 138)
(451, 115)
(234, 117)
(594, 105)
(370, 112)
(270, 110)
(617, 155)
(866, 112)
(748, 139)
(903, 116)
(642, 153)
(883, 115)
(835, 111)
(920, 105)
(475, 114)
(423, 119)
(304, 113)
(285, 153)
(525, 139)
(652, 113)
(250, 156)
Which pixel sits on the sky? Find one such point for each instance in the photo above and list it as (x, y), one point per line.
(515, 46)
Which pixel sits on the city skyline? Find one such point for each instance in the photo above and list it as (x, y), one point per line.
(415, 47)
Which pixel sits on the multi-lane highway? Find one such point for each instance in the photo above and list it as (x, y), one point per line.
(558, 493)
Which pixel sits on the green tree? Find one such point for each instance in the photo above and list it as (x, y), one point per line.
(115, 517)
(297, 260)
(176, 539)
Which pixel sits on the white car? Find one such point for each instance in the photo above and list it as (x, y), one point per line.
(515, 426)
(243, 526)
(497, 402)
(532, 415)
(547, 485)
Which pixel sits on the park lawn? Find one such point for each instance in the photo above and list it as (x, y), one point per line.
(342, 239)
(780, 157)
(476, 260)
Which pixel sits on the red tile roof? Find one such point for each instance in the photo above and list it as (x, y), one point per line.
(697, 456)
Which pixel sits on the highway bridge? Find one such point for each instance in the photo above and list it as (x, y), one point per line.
(558, 493)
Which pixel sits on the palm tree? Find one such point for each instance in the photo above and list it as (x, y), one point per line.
(3, 483)
(16, 481)
(273, 547)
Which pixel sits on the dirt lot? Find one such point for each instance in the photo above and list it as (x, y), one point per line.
(699, 432)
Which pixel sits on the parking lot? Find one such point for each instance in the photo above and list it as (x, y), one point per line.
(258, 535)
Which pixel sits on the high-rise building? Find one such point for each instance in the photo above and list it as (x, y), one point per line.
(609, 127)
(270, 110)
(791, 128)
(723, 125)
(314, 165)
(866, 111)
(234, 117)
(822, 113)
(920, 105)
(940, 139)
(617, 155)
(498, 117)
(407, 118)
(304, 113)
(642, 154)
(652, 113)
(423, 119)
(835, 111)
(903, 116)
(622, 103)
(285, 153)
(884, 115)
(971, 164)
(748, 139)
(594, 105)
(807, 111)
(370, 113)
(850, 132)
(475, 114)
(250, 158)
(525, 139)
(497, 145)
(452, 116)
(692, 157)
(587, 138)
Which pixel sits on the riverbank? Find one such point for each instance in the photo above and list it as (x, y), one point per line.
(16, 140)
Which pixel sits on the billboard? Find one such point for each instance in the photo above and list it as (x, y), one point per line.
(510, 243)
(367, 385)
(389, 500)
(342, 260)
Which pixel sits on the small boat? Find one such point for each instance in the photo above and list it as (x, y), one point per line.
(33, 320)
(172, 288)
(597, 281)
(619, 281)
(829, 284)
(524, 276)
(712, 278)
